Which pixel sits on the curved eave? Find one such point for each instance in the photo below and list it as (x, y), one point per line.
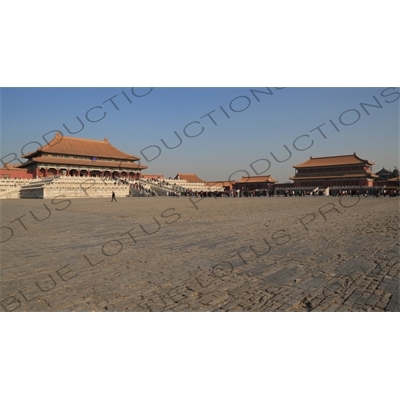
(305, 165)
(311, 178)
(83, 163)
(39, 153)
(35, 153)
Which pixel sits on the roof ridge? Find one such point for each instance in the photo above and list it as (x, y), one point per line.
(257, 176)
(105, 140)
(343, 155)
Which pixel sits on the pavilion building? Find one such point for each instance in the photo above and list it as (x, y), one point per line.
(383, 174)
(68, 156)
(334, 171)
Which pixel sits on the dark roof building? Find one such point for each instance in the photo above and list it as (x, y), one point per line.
(384, 174)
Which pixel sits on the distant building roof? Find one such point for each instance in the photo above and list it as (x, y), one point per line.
(154, 176)
(189, 177)
(220, 183)
(333, 160)
(257, 179)
(383, 171)
(11, 166)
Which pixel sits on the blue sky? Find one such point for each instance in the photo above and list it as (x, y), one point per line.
(176, 43)
(253, 131)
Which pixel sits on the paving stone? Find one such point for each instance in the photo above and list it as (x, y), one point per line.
(335, 265)
(361, 301)
(372, 300)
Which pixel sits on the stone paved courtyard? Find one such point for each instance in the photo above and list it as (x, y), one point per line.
(177, 254)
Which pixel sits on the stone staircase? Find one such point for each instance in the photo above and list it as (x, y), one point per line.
(10, 188)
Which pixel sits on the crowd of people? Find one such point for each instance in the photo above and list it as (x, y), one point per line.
(370, 192)
(175, 190)
(143, 191)
(373, 192)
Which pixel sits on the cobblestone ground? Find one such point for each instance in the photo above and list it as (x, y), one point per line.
(174, 254)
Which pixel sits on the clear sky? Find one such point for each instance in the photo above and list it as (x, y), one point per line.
(219, 44)
(260, 123)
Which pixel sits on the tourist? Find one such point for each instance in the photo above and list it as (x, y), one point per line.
(113, 197)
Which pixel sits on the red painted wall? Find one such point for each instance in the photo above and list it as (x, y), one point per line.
(15, 173)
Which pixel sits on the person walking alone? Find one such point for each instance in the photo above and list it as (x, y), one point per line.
(113, 197)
